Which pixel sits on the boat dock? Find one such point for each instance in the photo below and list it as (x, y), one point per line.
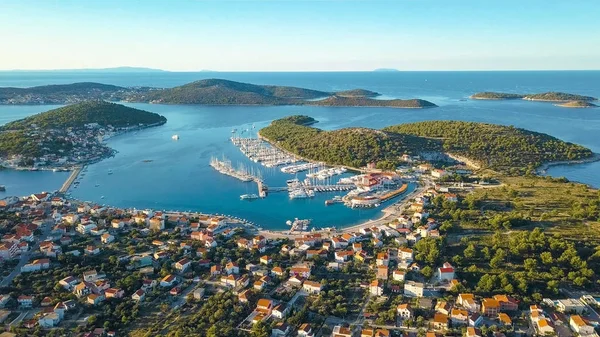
(65, 187)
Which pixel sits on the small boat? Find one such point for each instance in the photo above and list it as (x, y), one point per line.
(175, 137)
(102, 197)
(234, 130)
(97, 185)
(110, 172)
(2, 188)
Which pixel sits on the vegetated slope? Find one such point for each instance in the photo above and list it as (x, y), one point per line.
(577, 104)
(77, 115)
(369, 102)
(558, 97)
(59, 93)
(351, 146)
(503, 148)
(357, 93)
(217, 91)
(496, 95)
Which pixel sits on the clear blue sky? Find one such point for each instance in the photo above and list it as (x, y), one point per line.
(188, 35)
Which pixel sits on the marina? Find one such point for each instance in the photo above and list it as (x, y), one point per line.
(242, 173)
(259, 151)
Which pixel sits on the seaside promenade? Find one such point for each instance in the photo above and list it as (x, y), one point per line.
(67, 184)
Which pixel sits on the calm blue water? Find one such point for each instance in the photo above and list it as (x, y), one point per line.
(179, 176)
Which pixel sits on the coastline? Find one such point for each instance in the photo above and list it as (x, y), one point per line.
(542, 169)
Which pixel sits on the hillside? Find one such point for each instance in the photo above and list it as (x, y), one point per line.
(503, 148)
(577, 104)
(558, 97)
(369, 102)
(220, 92)
(77, 115)
(351, 146)
(495, 95)
(59, 93)
(357, 93)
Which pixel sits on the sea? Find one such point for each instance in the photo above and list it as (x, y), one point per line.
(151, 170)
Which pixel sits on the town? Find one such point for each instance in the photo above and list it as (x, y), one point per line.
(76, 268)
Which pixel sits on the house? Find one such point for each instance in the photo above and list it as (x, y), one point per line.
(300, 270)
(232, 268)
(468, 302)
(440, 321)
(312, 287)
(507, 303)
(264, 306)
(473, 332)
(305, 330)
(382, 333)
(295, 281)
(215, 270)
(382, 272)
(139, 295)
(83, 289)
(570, 305)
(36, 265)
(114, 293)
(280, 311)
(343, 255)
(504, 319)
(459, 316)
(25, 301)
(404, 311)
(266, 260)
(341, 331)
(91, 250)
(156, 224)
(8, 250)
(86, 228)
(490, 307)
(445, 272)
(49, 320)
(339, 243)
(413, 289)
(383, 259)
(47, 301)
(94, 299)
(183, 265)
(167, 281)
(578, 325)
(90, 275)
(405, 254)
(398, 275)
(107, 238)
(280, 329)
(475, 320)
(544, 326)
(442, 307)
(277, 271)
(376, 288)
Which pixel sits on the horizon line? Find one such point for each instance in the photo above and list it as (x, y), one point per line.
(380, 70)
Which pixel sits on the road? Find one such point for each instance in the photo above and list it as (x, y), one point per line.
(46, 228)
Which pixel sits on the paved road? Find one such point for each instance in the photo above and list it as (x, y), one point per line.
(46, 229)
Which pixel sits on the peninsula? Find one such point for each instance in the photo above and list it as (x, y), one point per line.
(544, 97)
(69, 136)
(504, 149)
(205, 92)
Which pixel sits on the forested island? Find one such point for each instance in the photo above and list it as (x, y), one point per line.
(206, 92)
(502, 148)
(69, 135)
(545, 97)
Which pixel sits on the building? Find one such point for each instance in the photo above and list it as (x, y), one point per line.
(459, 316)
(544, 326)
(404, 311)
(183, 265)
(468, 302)
(25, 301)
(139, 295)
(280, 311)
(341, 331)
(570, 305)
(376, 288)
(398, 275)
(413, 289)
(507, 303)
(445, 273)
(382, 272)
(312, 287)
(440, 321)
(264, 306)
(167, 281)
(490, 307)
(107, 238)
(578, 325)
(504, 319)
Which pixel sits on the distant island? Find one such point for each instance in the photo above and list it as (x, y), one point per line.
(95, 70)
(577, 104)
(543, 97)
(69, 136)
(389, 70)
(502, 148)
(205, 92)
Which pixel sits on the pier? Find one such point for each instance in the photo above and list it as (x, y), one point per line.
(65, 187)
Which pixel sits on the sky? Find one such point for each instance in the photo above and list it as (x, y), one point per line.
(280, 35)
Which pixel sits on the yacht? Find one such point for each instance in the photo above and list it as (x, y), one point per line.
(175, 137)
(248, 196)
(298, 194)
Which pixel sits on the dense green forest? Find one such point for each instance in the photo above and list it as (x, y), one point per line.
(60, 89)
(297, 119)
(496, 95)
(352, 146)
(369, 102)
(18, 143)
(503, 148)
(77, 115)
(559, 96)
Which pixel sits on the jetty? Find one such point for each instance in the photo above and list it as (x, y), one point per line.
(67, 184)
(224, 167)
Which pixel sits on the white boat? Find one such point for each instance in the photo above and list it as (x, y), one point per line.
(175, 137)
(248, 196)
(298, 194)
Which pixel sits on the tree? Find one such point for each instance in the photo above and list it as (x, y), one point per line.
(260, 329)
(427, 271)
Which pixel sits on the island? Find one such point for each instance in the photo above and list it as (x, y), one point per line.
(69, 136)
(204, 92)
(543, 97)
(577, 104)
(502, 148)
